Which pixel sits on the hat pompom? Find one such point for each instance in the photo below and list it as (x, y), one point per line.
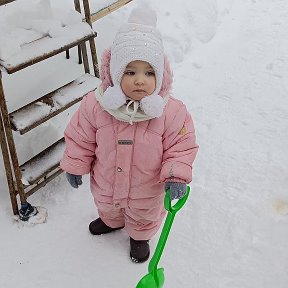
(144, 16)
(152, 105)
(113, 98)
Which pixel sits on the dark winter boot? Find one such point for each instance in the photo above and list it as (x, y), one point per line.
(139, 250)
(98, 227)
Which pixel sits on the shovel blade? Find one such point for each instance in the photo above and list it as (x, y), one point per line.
(152, 280)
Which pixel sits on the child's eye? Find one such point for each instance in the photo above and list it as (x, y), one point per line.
(150, 73)
(130, 73)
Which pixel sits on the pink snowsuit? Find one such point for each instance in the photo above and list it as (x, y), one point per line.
(128, 164)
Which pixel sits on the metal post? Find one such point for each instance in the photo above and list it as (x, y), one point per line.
(82, 50)
(91, 41)
(6, 160)
(11, 145)
(80, 55)
(67, 54)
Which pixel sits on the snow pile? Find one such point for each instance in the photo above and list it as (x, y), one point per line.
(232, 233)
(190, 23)
(30, 23)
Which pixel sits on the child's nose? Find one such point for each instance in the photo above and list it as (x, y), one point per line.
(139, 80)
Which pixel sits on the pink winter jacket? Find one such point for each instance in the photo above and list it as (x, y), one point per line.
(129, 164)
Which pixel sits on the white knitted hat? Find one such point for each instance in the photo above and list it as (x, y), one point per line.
(139, 39)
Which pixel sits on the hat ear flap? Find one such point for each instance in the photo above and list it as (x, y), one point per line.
(105, 74)
(167, 78)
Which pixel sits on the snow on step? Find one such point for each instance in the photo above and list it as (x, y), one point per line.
(47, 160)
(46, 47)
(46, 107)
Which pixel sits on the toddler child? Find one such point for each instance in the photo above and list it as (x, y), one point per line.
(132, 136)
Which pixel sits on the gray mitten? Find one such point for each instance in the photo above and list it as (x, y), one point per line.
(177, 189)
(74, 180)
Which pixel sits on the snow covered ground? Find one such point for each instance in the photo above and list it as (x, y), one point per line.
(230, 61)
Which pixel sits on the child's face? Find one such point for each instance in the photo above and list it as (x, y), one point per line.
(138, 80)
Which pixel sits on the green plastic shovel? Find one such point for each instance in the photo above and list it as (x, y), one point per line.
(155, 277)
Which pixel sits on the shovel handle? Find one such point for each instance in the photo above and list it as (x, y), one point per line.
(177, 206)
(172, 210)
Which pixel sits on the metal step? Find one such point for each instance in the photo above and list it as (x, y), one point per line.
(43, 163)
(46, 107)
(106, 10)
(46, 47)
(3, 2)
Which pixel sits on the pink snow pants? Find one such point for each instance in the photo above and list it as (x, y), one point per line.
(133, 220)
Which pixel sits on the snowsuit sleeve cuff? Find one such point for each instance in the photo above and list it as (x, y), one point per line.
(176, 172)
(74, 168)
